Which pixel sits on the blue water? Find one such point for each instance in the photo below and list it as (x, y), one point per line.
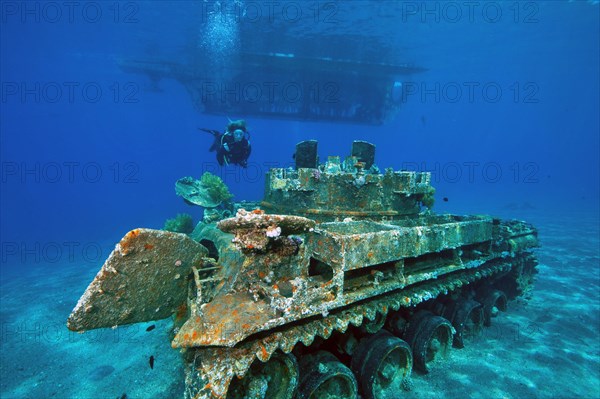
(89, 151)
(546, 150)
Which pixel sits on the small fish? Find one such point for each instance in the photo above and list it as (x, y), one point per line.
(423, 120)
(445, 199)
(150, 328)
(151, 361)
(124, 396)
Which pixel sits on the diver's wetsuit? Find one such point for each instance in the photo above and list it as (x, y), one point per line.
(238, 151)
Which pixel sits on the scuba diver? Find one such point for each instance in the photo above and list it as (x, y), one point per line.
(233, 146)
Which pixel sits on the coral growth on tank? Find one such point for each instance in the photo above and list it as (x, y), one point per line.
(182, 223)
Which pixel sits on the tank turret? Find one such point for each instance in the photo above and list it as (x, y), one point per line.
(349, 188)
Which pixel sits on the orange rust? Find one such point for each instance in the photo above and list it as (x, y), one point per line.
(186, 337)
(264, 352)
(262, 274)
(234, 312)
(258, 211)
(218, 331)
(148, 246)
(370, 254)
(245, 326)
(325, 284)
(195, 334)
(250, 246)
(197, 319)
(181, 312)
(133, 233)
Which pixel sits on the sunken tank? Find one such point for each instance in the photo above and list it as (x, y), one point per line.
(338, 285)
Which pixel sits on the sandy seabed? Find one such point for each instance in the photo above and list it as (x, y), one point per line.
(547, 346)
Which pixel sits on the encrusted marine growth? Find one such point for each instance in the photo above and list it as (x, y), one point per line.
(144, 278)
(339, 281)
(209, 191)
(256, 231)
(182, 223)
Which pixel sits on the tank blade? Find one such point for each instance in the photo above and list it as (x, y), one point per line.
(144, 278)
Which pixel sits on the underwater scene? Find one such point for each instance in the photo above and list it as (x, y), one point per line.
(330, 199)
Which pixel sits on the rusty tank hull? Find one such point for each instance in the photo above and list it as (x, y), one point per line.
(340, 284)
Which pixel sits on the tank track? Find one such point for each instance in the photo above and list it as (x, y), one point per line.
(212, 369)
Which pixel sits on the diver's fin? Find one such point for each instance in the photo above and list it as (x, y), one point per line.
(211, 131)
(216, 143)
(217, 135)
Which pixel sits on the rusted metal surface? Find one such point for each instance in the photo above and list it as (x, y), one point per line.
(255, 230)
(353, 245)
(337, 190)
(225, 321)
(143, 279)
(365, 243)
(216, 367)
(259, 300)
(258, 220)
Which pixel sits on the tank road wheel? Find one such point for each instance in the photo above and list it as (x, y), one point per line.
(322, 376)
(493, 301)
(430, 337)
(466, 316)
(381, 362)
(276, 379)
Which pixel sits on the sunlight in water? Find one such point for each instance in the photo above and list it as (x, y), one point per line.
(219, 35)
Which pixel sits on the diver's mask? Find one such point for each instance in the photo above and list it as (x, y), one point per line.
(238, 135)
